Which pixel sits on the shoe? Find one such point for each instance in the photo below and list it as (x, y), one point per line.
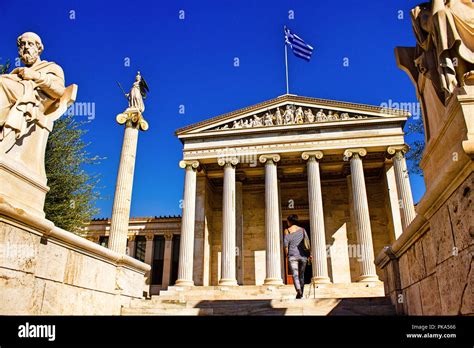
(298, 294)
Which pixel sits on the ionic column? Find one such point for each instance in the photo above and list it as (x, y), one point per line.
(131, 246)
(149, 248)
(167, 260)
(133, 121)
(272, 224)
(403, 184)
(228, 274)
(123, 190)
(361, 214)
(316, 218)
(185, 269)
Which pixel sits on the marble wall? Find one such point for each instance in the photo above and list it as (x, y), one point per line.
(434, 275)
(44, 275)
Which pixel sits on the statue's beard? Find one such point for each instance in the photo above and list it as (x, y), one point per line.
(29, 58)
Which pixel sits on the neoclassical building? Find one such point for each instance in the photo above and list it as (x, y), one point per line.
(153, 240)
(339, 166)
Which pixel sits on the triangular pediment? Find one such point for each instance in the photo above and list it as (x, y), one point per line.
(290, 111)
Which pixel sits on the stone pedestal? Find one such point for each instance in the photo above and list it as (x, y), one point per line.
(186, 251)
(272, 223)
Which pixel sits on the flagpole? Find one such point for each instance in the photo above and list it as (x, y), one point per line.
(286, 67)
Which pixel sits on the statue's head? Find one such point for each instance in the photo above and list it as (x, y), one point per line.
(30, 47)
(138, 77)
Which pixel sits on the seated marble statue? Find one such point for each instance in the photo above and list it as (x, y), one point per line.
(29, 93)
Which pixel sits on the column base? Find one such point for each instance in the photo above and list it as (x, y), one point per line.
(321, 280)
(368, 279)
(184, 282)
(273, 281)
(228, 282)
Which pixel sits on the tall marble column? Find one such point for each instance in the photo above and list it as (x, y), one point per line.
(186, 251)
(272, 223)
(123, 190)
(361, 214)
(167, 260)
(316, 218)
(403, 184)
(228, 265)
(239, 231)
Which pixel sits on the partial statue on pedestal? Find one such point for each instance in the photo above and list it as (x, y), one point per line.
(31, 99)
(28, 95)
(443, 58)
(136, 106)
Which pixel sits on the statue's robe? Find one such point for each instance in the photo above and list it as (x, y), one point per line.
(23, 102)
(136, 99)
(453, 35)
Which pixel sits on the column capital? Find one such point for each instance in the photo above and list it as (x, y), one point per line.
(131, 238)
(194, 164)
(312, 154)
(269, 158)
(94, 239)
(398, 151)
(359, 152)
(149, 237)
(223, 161)
(168, 235)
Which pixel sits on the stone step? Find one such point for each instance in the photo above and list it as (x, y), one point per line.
(266, 292)
(353, 306)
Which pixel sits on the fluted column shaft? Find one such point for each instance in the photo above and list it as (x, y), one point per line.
(123, 191)
(167, 260)
(361, 214)
(316, 218)
(403, 185)
(228, 271)
(272, 224)
(186, 251)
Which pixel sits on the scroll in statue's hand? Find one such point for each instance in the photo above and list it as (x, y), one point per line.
(28, 74)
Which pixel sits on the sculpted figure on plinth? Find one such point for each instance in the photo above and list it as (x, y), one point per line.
(31, 99)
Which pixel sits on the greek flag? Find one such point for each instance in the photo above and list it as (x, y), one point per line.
(298, 46)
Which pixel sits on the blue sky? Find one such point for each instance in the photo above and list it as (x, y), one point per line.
(190, 62)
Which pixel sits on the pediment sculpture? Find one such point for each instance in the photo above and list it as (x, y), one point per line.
(290, 115)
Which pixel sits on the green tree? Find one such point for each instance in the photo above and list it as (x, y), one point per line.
(4, 68)
(417, 145)
(71, 199)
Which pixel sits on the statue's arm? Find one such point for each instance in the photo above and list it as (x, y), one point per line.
(52, 82)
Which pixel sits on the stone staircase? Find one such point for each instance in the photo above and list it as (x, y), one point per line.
(331, 299)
